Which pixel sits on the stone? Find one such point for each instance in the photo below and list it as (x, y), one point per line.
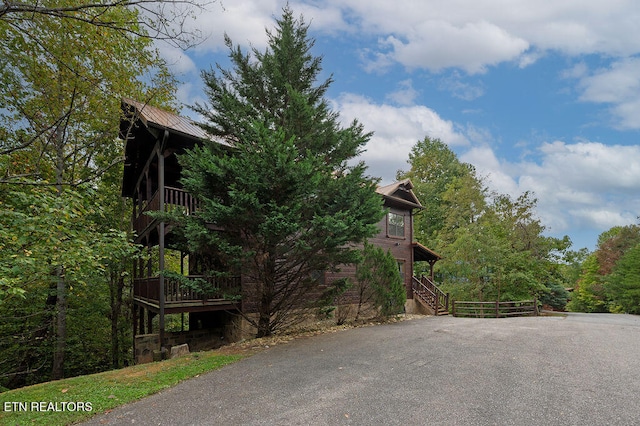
(179, 350)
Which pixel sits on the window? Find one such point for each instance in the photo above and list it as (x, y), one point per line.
(395, 225)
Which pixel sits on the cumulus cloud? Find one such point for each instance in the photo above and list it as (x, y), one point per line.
(396, 130)
(436, 45)
(405, 94)
(470, 35)
(582, 185)
(617, 85)
(474, 34)
(432, 34)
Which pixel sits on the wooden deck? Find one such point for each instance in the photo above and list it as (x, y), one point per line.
(174, 198)
(177, 298)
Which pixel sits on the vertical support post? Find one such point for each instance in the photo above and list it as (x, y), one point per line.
(141, 321)
(497, 309)
(431, 275)
(161, 231)
(135, 326)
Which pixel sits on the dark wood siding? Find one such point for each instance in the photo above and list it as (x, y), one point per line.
(400, 248)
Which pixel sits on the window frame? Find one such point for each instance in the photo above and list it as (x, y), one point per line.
(393, 228)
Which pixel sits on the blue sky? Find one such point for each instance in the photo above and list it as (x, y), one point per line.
(539, 95)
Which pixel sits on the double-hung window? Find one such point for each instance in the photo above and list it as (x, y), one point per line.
(395, 225)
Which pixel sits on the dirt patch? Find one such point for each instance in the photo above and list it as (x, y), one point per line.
(251, 346)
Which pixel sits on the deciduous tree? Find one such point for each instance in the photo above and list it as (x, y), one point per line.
(61, 81)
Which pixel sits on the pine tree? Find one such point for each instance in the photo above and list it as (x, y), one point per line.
(284, 194)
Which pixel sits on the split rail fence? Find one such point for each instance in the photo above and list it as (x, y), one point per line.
(495, 309)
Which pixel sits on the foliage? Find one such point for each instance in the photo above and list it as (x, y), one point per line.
(589, 294)
(159, 20)
(434, 168)
(623, 284)
(492, 245)
(60, 95)
(608, 280)
(379, 283)
(284, 194)
(556, 297)
(330, 299)
(65, 249)
(108, 390)
(55, 231)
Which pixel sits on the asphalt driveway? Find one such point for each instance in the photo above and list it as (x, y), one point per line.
(583, 369)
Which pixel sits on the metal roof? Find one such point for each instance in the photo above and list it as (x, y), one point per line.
(151, 115)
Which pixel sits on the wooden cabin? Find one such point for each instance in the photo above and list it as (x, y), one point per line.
(151, 180)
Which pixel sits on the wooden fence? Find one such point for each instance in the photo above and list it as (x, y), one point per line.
(495, 309)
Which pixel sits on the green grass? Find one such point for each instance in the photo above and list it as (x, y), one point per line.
(103, 391)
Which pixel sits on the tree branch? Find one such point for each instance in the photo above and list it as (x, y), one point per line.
(159, 20)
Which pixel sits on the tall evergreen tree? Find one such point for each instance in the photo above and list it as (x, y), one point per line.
(284, 194)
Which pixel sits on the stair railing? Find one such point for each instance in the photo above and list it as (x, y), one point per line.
(429, 293)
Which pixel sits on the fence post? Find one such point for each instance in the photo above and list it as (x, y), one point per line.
(535, 307)
(497, 309)
(453, 308)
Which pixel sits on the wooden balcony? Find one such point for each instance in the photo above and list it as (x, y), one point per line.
(174, 198)
(178, 298)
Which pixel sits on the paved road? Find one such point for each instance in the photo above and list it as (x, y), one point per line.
(580, 370)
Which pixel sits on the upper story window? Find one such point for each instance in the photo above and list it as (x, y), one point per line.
(395, 225)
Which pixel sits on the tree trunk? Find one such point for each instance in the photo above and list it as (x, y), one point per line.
(57, 371)
(264, 323)
(115, 291)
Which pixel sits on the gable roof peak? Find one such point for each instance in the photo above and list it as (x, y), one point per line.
(400, 192)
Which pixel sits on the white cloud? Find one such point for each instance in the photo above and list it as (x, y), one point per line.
(435, 34)
(460, 89)
(474, 34)
(405, 95)
(396, 131)
(177, 60)
(617, 85)
(582, 185)
(436, 45)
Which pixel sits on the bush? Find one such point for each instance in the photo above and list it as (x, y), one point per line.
(379, 282)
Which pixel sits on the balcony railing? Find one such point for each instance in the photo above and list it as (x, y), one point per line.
(173, 198)
(174, 292)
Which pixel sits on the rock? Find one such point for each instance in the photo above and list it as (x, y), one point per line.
(179, 350)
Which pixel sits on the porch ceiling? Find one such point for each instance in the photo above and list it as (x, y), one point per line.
(424, 254)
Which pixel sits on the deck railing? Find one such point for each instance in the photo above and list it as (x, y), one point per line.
(429, 293)
(176, 292)
(173, 198)
(495, 309)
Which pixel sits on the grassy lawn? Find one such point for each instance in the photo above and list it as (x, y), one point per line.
(79, 398)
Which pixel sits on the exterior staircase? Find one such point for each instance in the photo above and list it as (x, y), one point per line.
(430, 296)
